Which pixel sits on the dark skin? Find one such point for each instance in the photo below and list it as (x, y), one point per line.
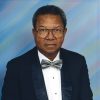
(50, 45)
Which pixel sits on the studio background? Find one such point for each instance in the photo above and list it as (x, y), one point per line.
(83, 34)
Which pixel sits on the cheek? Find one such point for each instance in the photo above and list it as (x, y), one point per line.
(39, 42)
(60, 41)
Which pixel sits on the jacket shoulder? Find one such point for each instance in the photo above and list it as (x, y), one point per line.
(72, 57)
(69, 53)
(24, 58)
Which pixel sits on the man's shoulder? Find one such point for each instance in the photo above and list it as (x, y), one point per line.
(71, 54)
(28, 56)
(73, 59)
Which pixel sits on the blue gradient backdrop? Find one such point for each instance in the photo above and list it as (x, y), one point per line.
(83, 34)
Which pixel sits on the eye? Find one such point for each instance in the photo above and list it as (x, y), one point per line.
(57, 30)
(41, 30)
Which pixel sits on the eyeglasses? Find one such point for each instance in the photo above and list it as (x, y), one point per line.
(56, 32)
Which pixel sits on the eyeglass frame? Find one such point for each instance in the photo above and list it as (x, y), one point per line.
(53, 31)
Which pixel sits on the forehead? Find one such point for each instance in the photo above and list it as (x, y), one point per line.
(49, 20)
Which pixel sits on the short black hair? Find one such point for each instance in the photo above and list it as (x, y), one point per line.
(49, 9)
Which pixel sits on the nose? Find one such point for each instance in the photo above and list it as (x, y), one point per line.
(50, 35)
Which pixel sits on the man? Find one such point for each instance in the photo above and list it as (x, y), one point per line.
(47, 72)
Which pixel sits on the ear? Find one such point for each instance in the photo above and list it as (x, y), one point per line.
(33, 32)
(65, 31)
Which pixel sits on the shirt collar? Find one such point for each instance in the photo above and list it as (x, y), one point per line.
(41, 56)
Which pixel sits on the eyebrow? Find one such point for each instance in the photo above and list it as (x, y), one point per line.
(46, 27)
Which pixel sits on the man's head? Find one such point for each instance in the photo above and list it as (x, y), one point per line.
(49, 28)
(49, 9)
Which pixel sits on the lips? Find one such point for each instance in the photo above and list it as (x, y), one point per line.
(50, 45)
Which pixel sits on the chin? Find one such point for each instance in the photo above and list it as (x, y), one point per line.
(48, 50)
(51, 51)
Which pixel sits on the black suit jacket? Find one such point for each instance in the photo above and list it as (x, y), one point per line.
(24, 79)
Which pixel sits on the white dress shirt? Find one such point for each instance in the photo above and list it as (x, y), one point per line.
(52, 78)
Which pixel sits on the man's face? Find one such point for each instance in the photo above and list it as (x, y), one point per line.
(49, 33)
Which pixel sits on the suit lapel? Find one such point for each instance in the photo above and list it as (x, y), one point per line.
(38, 80)
(66, 84)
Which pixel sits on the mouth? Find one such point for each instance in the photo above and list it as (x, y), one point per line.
(50, 45)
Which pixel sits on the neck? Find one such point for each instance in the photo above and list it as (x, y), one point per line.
(50, 55)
